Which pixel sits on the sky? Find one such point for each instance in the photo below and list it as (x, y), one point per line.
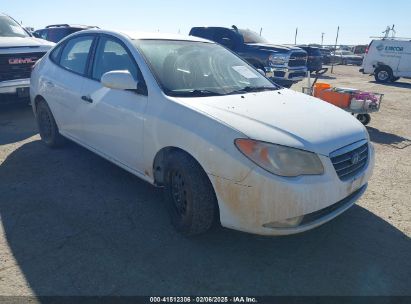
(358, 19)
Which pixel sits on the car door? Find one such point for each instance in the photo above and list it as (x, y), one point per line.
(114, 119)
(64, 83)
(404, 66)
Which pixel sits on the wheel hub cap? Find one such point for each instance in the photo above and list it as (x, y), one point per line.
(383, 75)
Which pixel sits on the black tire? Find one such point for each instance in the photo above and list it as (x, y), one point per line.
(364, 118)
(189, 195)
(48, 129)
(383, 74)
(394, 79)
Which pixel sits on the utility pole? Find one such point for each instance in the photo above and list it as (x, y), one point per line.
(295, 38)
(335, 47)
(261, 30)
(322, 39)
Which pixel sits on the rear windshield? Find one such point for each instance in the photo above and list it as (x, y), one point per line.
(252, 37)
(10, 28)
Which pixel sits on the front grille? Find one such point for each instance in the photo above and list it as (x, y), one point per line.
(279, 74)
(312, 217)
(297, 74)
(21, 69)
(297, 59)
(349, 164)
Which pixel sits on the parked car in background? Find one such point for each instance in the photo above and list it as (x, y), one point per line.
(326, 55)
(191, 116)
(346, 57)
(56, 32)
(359, 49)
(388, 60)
(314, 59)
(19, 51)
(285, 65)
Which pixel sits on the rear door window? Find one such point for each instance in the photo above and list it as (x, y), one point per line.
(75, 54)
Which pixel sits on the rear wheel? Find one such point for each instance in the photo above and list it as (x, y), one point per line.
(383, 74)
(189, 195)
(48, 129)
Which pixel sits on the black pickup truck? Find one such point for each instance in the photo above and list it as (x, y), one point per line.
(285, 65)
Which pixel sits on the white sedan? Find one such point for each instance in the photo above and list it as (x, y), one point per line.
(186, 114)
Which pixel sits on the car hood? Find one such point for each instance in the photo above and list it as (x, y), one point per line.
(274, 47)
(20, 44)
(284, 117)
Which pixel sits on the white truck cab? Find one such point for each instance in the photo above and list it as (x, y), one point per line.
(19, 51)
(388, 59)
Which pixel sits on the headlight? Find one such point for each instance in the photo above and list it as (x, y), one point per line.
(280, 160)
(278, 59)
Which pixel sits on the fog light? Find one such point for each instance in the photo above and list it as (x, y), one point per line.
(288, 223)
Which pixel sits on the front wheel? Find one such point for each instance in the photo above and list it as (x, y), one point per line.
(189, 195)
(364, 118)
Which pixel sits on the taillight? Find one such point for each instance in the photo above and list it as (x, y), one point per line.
(368, 48)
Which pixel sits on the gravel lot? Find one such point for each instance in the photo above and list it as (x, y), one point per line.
(74, 224)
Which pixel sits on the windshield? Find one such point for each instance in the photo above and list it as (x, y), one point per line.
(10, 28)
(188, 68)
(252, 37)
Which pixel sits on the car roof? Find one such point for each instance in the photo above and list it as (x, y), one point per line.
(80, 26)
(135, 35)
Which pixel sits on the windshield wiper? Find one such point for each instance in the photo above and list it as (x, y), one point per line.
(252, 89)
(194, 93)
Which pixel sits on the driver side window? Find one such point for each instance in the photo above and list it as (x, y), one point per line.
(112, 56)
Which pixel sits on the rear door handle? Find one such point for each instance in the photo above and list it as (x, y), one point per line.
(87, 98)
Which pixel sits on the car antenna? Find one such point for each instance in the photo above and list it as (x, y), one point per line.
(235, 28)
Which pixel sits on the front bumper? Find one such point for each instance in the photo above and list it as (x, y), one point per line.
(263, 198)
(11, 86)
(288, 74)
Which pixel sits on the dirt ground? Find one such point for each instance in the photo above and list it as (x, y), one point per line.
(74, 224)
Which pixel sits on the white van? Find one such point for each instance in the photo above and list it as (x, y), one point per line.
(388, 60)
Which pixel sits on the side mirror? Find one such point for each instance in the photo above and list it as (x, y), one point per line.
(119, 80)
(261, 72)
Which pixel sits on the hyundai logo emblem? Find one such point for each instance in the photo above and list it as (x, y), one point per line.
(355, 159)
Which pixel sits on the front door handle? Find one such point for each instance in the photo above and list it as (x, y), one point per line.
(87, 98)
